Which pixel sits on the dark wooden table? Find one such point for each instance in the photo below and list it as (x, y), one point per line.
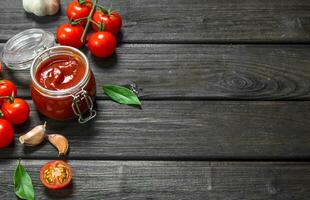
(225, 87)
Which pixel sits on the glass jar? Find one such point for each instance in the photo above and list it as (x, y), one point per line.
(75, 101)
(20, 50)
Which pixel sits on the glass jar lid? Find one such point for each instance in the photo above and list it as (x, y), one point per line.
(20, 50)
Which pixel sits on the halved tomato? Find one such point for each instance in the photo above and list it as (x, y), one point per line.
(56, 174)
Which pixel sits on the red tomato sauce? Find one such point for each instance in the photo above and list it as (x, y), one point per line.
(61, 72)
(56, 74)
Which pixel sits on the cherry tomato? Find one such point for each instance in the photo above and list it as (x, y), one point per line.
(7, 88)
(68, 34)
(16, 112)
(102, 44)
(75, 10)
(112, 22)
(56, 174)
(6, 133)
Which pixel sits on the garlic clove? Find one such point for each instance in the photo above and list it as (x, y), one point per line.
(59, 142)
(34, 137)
(41, 7)
(53, 7)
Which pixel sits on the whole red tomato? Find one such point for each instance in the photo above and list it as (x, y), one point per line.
(6, 133)
(112, 22)
(16, 112)
(68, 34)
(7, 88)
(102, 44)
(75, 10)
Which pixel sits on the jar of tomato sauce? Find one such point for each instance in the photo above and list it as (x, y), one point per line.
(62, 84)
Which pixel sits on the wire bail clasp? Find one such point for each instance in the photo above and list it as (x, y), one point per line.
(78, 99)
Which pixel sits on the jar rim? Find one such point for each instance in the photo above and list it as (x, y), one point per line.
(68, 91)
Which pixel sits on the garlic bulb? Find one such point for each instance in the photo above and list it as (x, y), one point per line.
(41, 7)
(34, 137)
(59, 142)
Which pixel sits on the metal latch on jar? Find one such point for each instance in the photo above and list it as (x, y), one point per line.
(78, 98)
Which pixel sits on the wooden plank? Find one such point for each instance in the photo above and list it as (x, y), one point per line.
(202, 71)
(181, 130)
(186, 21)
(114, 180)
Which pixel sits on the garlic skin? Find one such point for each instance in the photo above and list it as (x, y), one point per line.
(59, 142)
(34, 137)
(41, 7)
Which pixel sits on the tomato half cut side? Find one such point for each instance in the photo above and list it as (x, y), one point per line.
(56, 175)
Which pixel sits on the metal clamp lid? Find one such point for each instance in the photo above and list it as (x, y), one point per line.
(78, 98)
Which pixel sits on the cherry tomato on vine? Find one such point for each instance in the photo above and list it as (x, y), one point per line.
(7, 88)
(112, 22)
(68, 34)
(102, 44)
(16, 112)
(76, 10)
(6, 133)
(56, 174)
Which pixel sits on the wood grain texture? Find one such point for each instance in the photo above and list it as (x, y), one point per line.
(267, 72)
(171, 130)
(186, 21)
(114, 180)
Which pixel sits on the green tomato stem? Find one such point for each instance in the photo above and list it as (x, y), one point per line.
(81, 2)
(10, 98)
(100, 26)
(104, 10)
(89, 19)
(80, 19)
(111, 5)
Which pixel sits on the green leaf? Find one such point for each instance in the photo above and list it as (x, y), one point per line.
(121, 95)
(23, 183)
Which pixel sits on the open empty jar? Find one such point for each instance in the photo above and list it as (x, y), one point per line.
(62, 83)
(20, 50)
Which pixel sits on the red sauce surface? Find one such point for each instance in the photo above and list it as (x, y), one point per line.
(60, 72)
